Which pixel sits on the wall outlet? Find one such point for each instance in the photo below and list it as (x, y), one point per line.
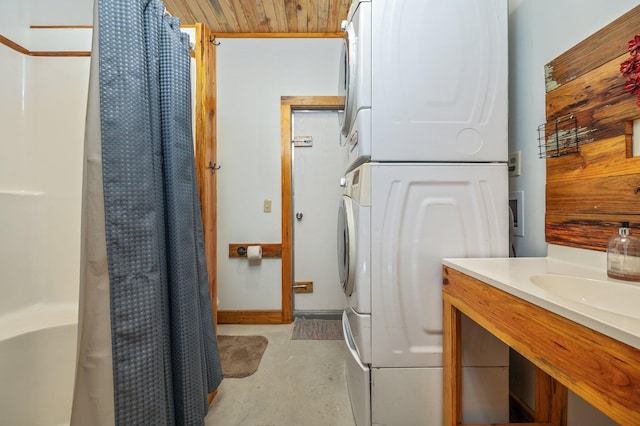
(514, 164)
(267, 206)
(516, 203)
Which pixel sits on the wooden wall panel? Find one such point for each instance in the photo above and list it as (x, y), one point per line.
(598, 100)
(594, 51)
(589, 193)
(588, 231)
(605, 158)
(600, 195)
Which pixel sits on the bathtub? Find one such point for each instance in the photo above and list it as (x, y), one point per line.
(37, 364)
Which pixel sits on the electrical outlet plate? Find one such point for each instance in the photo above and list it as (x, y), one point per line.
(514, 163)
(516, 203)
(267, 206)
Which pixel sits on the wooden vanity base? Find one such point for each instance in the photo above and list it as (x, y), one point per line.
(602, 370)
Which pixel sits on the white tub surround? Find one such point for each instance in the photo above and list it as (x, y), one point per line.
(37, 363)
(42, 116)
(574, 345)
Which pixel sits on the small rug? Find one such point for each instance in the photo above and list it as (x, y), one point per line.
(240, 355)
(317, 329)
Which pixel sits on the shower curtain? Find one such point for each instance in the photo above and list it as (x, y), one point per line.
(147, 350)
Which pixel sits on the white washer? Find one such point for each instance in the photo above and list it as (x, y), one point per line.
(354, 258)
(433, 77)
(397, 222)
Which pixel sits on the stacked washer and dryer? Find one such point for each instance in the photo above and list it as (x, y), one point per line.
(425, 126)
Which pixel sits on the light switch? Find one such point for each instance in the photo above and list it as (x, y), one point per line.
(267, 206)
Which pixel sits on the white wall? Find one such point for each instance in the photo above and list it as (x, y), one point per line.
(252, 75)
(14, 16)
(42, 111)
(17, 15)
(539, 31)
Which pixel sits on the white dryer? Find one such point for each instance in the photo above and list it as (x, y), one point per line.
(396, 223)
(427, 79)
(355, 63)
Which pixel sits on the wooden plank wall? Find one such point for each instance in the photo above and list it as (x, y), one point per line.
(590, 192)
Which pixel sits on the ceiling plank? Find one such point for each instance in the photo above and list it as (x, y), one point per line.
(270, 15)
(281, 15)
(323, 16)
(302, 10)
(291, 7)
(230, 14)
(179, 8)
(204, 12)
(338, 12)
(241, 18)
(280, 35)
(262, 16)
(254, 11)
(312, 16)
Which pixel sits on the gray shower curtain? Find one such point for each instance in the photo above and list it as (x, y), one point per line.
(147, 351)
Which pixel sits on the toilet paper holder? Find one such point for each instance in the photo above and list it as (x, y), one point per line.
(269, 250)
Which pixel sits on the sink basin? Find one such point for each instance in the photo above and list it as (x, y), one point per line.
(610, 296)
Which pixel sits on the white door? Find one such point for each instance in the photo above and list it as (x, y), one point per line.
(317, 169)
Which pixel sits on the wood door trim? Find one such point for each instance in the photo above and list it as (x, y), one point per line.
(205, 150)
(288, 104)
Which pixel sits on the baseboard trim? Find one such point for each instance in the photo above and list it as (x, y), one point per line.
(250, 317)
(328, 315)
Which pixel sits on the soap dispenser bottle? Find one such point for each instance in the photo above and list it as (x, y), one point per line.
(623, 255)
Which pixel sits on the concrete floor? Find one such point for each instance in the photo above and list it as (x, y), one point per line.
(298, 383)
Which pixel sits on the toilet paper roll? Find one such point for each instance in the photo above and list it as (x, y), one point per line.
(254, 252)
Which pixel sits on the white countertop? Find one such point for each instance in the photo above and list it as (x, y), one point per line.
(512, 275)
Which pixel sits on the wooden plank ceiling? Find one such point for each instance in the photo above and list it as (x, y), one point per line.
(269, 17)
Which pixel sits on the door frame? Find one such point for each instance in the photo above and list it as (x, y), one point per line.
(288, 104)
(205, 150)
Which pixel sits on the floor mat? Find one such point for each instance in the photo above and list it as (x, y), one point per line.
(240, 355)
(317, 329)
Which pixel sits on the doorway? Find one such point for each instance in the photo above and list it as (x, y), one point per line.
(288, 104)
(318, 163)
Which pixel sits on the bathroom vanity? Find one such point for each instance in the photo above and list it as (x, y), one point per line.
(574, 338)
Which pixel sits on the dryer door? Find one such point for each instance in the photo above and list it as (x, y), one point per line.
(346, 245)
(347, 70)
(343, 75)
